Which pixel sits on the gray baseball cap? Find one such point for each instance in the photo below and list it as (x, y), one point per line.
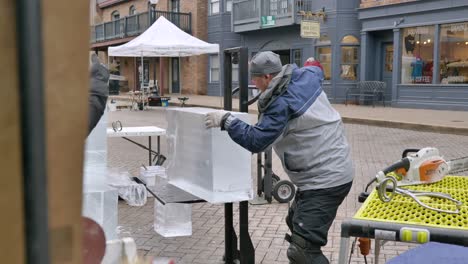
(265, 62)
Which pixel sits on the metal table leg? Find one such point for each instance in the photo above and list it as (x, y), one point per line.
(344, 250)
(149, 152)
(159, 145)
(377, 246)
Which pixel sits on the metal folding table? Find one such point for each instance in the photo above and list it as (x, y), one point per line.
(143, 131)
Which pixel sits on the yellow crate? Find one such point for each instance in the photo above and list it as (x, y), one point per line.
(404, 210)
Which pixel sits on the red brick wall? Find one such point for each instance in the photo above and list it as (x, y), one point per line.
(194, 69)
(372, 3)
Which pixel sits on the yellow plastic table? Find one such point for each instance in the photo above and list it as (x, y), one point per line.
(402, 219)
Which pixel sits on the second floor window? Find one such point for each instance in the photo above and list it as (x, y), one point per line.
(214, 68)
(214, 7)
(175, 6)
(132, 10)
(115, 15)
(228, 5)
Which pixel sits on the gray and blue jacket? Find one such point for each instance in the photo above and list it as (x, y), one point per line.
(305, 131)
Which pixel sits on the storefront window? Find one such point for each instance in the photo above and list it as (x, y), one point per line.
(417, 55)
(323, 53)
(349, 58)
(297, 57)
(454, 53)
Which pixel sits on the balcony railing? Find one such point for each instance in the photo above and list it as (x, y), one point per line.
(247, 13)
(136, 24)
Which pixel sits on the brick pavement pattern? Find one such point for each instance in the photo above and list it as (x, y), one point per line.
(372, 149)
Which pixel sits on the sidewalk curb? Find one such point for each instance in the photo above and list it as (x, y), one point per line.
(408, 126)
(379, 123)
(361, 121)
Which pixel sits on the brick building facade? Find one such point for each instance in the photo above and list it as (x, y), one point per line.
(179, 75)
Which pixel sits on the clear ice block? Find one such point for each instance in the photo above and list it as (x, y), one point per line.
(172, 219)
(95, 160)
(99, 200)
(206, 162)
(100, 204)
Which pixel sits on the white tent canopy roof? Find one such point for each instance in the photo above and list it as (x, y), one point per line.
(163, 39)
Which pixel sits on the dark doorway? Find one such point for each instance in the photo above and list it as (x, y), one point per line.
(175, 75)
(285, 56)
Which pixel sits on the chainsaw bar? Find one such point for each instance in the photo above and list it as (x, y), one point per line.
(458, 165)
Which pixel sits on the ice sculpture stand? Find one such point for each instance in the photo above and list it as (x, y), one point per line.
(148, 131)
(166, 193)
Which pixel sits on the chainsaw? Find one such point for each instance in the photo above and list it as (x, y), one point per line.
(421, 166)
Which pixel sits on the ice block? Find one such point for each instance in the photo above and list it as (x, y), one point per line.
(95, 167)
(172, 219)
(100, 204)
(99, 200)
(206, 162)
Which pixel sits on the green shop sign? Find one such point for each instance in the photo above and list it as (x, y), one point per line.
(268, 21)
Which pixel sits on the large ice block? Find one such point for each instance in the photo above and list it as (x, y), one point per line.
(206, 162)
(95, 167)
(99, 200)
(100, 204)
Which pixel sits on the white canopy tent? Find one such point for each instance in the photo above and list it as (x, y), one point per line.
(163, 39)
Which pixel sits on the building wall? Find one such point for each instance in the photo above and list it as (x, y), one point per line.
(124, 8)
(193, 70)
(220, 31)
(380, 23)
(373, 3)
(341, 20)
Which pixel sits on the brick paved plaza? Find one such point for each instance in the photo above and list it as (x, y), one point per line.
(372, 148)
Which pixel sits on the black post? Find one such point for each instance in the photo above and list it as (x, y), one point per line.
(29, 30)
(227, 80)
(228, 230)
(267, 179)
(247, 251)
(243, 80)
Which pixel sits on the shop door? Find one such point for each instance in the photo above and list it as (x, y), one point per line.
(387, 68)
(175, 75)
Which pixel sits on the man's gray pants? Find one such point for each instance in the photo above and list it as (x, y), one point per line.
(309, 219)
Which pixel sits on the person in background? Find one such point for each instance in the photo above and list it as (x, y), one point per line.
(313, 62)
(307, 134)
(99, 91)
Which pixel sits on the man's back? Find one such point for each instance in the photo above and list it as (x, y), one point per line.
(312, 147)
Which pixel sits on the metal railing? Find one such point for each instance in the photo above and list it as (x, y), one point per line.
(277, 7)
(304, 5)
(254, 9)
(136, 24)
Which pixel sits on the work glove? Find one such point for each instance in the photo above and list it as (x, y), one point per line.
(216, 119)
